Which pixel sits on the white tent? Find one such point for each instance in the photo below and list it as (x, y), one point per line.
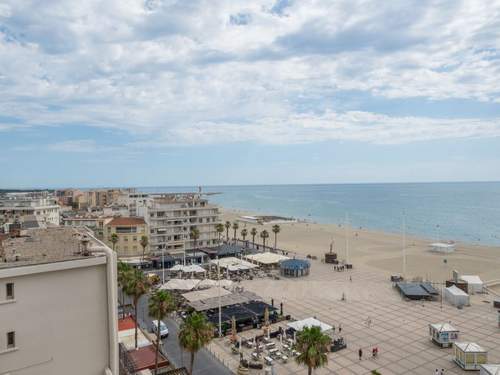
(187, 269)
(180, 284)
(469, 355)
(489, 369)
(309, 322)
(442, 247)
(205, 294)
(474, 283)
(456, 296)
(266, 258)
(206, 283)
(233, 264)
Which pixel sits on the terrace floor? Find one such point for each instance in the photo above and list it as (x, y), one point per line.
(398, 328)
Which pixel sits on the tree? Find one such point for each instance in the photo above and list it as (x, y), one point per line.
(244, 233)
(227, 225)
(195, 332)
(235, 228)
(253, 232)
(220, 229)
(312, 345)
(161, 304)
(114, 240)
(195, 235)
(137, 286)
(124, 275)
(276, 230)
(144, 243)
(264, 235)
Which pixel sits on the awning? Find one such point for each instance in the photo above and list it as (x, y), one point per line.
(309, 322)
(266, 258)
(180, 284)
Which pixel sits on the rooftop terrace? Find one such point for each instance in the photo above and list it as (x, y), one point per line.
(49, 245)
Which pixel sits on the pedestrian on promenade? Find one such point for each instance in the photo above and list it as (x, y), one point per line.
(360, 353)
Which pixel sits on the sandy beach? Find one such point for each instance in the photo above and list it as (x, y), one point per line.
(380, 251)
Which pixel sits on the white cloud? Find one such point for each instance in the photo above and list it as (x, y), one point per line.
(80, 145)
(184, 69)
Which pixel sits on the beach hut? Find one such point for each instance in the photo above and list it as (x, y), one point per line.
(294, 268)
(456, 296)
(474, 283)
(442, 247)
(469, 355)
(489, 369)
(443, 334)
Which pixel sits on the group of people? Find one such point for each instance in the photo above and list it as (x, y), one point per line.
(439, 372)
(374, 353)
(339, 268)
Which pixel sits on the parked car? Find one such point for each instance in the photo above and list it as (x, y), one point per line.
(162, 326)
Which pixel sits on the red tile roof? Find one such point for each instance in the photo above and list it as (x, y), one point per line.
(117, 221)
(144, 358)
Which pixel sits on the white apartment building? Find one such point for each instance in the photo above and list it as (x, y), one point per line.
(58, 304)
(171, 218)
(16, 206)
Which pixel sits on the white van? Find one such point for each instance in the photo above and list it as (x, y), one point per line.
(163, 328)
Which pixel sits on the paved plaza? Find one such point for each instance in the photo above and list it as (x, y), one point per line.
(373, 315)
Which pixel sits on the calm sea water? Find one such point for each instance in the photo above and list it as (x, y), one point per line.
(466, 212)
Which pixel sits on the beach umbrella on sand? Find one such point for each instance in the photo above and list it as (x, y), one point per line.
(233, 329)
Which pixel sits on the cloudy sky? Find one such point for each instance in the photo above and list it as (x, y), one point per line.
(164, 92)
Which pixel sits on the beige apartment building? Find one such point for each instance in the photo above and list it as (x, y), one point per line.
(129, 231)
(172, 216)
(14, 207)
(58, 308)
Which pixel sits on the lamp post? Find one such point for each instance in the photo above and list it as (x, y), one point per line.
(220, 308)
(163, 265)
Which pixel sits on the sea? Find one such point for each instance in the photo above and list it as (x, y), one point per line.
(451, 211)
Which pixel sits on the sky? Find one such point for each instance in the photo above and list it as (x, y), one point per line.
(165, 92)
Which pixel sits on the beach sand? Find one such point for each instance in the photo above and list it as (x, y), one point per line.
(379, 251)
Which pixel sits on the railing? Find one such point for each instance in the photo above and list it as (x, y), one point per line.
(126, 365)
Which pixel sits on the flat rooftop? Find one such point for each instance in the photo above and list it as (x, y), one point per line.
(48, 245)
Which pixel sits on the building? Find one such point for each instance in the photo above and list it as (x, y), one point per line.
(93, 221)
(14, 207)
(129, 231)
(58, 304)
(171, 218)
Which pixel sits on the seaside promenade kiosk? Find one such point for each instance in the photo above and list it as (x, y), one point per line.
(443, 334)
(294, 268)
(489, 369)
(474, 283)
(456, 296)
(469, 355)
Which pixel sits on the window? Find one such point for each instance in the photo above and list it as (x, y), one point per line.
(11, 340)
(9, 287)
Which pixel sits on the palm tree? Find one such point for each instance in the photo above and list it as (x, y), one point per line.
(264, 235)
(227, 225)
(276, 230)
(137, 286)
(114, 240)
(235, 228)
(194, 334)
(195, 235)
(244, 233)
(161, 304)
(219, 229)
(144, 243)
(124, 274)
(312, 345)
(253, 232)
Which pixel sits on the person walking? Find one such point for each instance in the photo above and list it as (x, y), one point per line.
(360, 353)
(442, 372)
(436, 372)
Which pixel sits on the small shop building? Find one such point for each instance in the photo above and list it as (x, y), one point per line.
(443, 334)
(469, 355)
(294, 268)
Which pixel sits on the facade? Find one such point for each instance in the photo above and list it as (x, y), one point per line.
(14, 207)
(172, 217)
(129, 231)
(58, 304)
